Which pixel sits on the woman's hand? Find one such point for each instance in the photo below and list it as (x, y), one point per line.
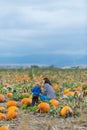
(42, 90)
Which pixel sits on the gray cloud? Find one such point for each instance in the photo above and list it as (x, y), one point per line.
(42, 27)
(16, 14)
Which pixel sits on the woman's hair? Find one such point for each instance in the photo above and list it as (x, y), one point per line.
(46, 80)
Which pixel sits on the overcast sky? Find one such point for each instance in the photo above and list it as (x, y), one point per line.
(42, 27)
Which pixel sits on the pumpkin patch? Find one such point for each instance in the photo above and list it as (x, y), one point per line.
(16, 95)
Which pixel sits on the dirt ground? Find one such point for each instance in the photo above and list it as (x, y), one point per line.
(32, 121)
(42, 122)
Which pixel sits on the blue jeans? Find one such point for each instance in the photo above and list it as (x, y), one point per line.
(44, 98)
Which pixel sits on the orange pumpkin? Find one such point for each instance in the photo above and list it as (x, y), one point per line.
(9, 95)
(4, 128)
(66, 91)
(11, 115)
(43, 107)
(64, 111)
(78, 89)
(2, 109)
(54, 102)
(70, 93)
(56, 87)
(2, 116)
(85, 91)
(11, 103)
(2, 98)
(83, 84)
(26, 101)
(13, 108)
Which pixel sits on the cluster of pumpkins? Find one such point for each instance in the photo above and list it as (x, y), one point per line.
(43, 107)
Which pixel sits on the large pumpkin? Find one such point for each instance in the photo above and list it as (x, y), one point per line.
(26, 101)
(11, 115)
(66, 110)
(44, 107)
(4, 128)
(13, 108)
(11, 103)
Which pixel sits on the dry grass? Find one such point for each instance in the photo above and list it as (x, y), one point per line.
(39, 122)
(24, 123)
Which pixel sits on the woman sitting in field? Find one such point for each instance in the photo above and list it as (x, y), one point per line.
(48, 92)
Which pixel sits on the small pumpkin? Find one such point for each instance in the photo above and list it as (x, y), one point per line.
(9, 94)
(56, 86)
(85, 91)
(70, 93)
(11, 115)
(64, 111)
(79, 88)
(43, 107)
(2, 109)
(2, 98)
(11, 103)
(66, 91)
(54, 102)
(2, 116)
(27, 101)
(83, 84)
(4, 128)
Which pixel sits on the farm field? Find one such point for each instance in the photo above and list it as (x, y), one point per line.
(67, 112)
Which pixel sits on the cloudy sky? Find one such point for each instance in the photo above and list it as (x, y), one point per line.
(49, 32)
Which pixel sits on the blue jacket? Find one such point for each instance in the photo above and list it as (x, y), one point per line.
(36, 90)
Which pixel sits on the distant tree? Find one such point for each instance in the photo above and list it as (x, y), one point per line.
(51, 66)
(34, 66)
